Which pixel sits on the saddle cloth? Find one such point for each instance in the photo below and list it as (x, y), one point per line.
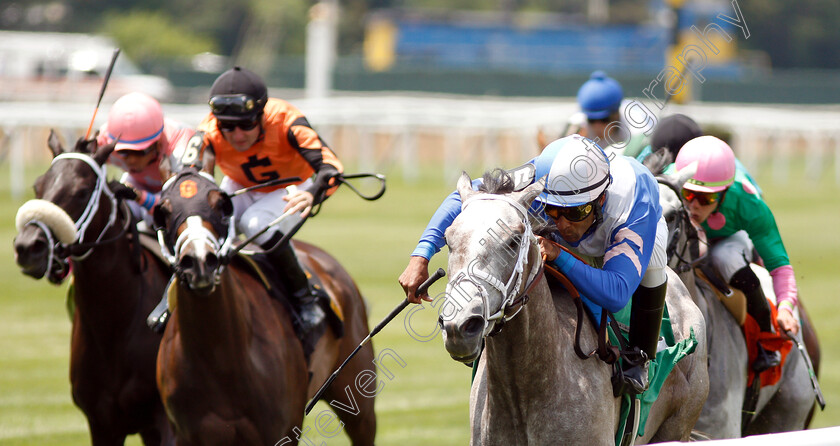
(667, 356)
(736, 303)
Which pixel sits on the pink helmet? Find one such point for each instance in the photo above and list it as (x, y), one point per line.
(715, 164)
(137, 120)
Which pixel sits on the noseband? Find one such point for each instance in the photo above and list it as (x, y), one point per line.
(57, 267)
(510, 290)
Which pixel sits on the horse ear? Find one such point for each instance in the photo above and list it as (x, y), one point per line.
(208, 161)
(165, 168)
(54, 143)
(161, 213)
(101, 153)
(657, 161)
(465, 187)
(527, 195)
(679, 177)
(221, 201)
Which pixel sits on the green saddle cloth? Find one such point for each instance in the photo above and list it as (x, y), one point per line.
(658, 371)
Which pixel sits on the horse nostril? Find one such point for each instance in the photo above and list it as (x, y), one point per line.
(211, 262)
(472, 326)
(440, 322)
(187, 262)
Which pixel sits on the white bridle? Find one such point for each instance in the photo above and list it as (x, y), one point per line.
(93, 204)
(29, 211)
(510, 289)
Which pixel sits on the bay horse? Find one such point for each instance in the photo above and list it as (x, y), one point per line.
(231, 370)
(530, 386)
(785, 406)
(77, 223)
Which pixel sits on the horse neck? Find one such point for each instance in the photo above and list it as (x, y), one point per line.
(218, 322)
(534, 336)
(107, 280)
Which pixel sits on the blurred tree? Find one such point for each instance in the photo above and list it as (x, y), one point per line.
(271, 28)
(148, 35)
(801, 34)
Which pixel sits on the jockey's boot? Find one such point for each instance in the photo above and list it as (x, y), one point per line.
(759, 308)
(645, 321)
(156, 320)
(304, 297)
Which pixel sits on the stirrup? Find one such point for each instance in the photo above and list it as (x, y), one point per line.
(633, 380)
(309, 311)
(636, 379)
(159, 316)
(766, 359)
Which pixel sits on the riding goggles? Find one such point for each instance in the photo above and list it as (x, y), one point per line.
(244, 124)
(124, 152)
(233, 105)
(572, 213)
(704, 198)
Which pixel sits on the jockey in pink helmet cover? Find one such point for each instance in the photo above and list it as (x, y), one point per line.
(143, 137)
(735, 218)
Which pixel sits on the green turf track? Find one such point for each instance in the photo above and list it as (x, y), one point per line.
(426, 402)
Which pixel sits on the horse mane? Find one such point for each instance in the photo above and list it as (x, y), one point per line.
(497, 181)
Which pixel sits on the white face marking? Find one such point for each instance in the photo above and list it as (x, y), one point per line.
(198, 234)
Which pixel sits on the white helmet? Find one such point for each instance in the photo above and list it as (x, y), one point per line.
(577, 171)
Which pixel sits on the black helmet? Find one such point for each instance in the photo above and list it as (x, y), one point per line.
(238, 94)
(673, 132)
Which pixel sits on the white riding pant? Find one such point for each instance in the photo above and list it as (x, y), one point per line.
(655, 274)
(732, 254)
(254, 210)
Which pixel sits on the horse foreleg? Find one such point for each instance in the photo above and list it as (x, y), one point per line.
(352, 394)
(160, 433)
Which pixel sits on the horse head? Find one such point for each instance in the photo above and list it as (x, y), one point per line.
(493, 256)
(683, 236)
(195, 228)
(64, 217)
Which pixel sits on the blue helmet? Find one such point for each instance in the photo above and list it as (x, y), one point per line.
(600, 96)
(576, 171)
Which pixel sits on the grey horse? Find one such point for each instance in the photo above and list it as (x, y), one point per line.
(530, 387)
(781, 407)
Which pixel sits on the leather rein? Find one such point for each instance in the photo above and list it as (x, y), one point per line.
(608, 354)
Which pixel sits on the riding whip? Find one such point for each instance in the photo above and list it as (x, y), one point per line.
(420, 290)
(340, 178)
(814, 383)
(102, 90)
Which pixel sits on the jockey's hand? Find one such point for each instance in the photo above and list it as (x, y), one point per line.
(299, 200)
(414, 275)
(786, 321)
(548, 249)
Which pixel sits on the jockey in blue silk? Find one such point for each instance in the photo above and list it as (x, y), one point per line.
(608, 213)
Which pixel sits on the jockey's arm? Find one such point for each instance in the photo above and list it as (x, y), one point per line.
(431, 241)
(765, 236)
(625, 262)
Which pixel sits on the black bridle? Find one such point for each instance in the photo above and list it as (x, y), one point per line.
(687, 255)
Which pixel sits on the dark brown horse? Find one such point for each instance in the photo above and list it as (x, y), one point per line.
(76, 222)
(231, 370)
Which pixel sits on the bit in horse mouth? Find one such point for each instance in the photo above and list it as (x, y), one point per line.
(466, 359)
